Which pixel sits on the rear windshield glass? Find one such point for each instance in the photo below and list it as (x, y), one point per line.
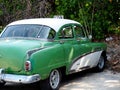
(32, 31)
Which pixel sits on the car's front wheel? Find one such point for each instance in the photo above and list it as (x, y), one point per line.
(53, 82)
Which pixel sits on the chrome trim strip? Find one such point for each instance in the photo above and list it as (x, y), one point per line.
(87, 60)
(30, 52)
(19, 78)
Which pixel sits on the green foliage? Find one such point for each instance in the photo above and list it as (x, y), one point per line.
(1, 28)
(1, 12)
(11, 10)
(96, 16)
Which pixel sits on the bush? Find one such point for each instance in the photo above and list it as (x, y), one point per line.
(1, 28)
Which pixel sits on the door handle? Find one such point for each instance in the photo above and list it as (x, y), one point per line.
(78, 39)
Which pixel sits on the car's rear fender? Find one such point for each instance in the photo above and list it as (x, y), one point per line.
(44, 60)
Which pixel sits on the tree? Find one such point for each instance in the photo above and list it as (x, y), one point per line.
(96, 16)
(11, 10)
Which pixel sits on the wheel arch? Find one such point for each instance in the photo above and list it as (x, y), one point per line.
(63, 70)
(104, 55)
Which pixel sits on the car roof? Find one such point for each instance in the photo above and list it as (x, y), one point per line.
(51, 22)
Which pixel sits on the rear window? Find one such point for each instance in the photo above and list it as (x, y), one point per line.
(33, 31)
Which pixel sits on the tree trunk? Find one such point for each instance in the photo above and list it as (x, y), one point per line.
(28, 9)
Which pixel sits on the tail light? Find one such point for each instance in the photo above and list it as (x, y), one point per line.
(27, 65)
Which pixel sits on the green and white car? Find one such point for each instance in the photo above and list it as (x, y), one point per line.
(44, 49)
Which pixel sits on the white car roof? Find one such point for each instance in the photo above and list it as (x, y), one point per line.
(51, 22)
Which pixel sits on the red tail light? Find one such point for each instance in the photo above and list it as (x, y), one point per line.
(27, 65)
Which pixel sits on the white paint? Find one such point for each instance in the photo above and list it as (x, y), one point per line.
(90, 60)
(51, 22)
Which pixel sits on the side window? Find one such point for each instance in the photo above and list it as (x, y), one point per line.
(66, 32)
(79, 31)
(46, 33)
(52, 34)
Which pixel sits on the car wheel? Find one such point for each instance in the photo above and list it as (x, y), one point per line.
(53, 82)
(101, 64)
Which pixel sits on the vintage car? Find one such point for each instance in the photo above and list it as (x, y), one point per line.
(43, 49)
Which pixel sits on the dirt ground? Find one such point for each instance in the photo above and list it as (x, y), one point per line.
(105, 80)
(113, 53)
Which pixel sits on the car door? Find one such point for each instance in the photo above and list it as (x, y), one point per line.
(74, 46)
(82, 50)
(66, 37)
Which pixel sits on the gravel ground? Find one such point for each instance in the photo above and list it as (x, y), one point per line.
(113, 53)
(105, 80)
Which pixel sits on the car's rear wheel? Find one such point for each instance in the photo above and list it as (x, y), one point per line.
(101, 64)
(53, 82)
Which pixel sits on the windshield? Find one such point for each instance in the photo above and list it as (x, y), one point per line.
(32, 31)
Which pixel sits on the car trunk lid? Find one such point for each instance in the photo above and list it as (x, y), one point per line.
(13, 53)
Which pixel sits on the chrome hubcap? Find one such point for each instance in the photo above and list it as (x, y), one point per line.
(101, 63)
(54, 79)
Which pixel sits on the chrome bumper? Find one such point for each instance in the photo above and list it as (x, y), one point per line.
(18, 78)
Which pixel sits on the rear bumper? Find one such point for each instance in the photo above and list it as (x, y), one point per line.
(18, 78)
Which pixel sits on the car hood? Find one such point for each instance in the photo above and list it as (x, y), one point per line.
(13, 53)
